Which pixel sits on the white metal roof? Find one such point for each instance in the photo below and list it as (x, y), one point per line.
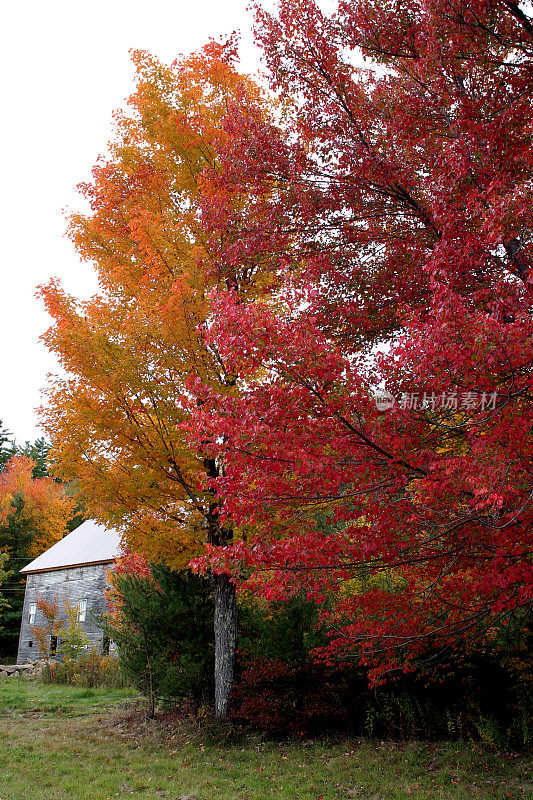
(90, 543)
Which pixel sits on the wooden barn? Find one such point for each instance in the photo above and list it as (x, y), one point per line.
(73, 570)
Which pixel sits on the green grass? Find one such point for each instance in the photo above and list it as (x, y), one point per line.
(90, 744)
(17, 695)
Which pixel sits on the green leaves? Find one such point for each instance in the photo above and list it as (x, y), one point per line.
(163, 628)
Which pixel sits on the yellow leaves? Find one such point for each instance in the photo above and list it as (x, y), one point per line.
(6, 503)
(116, 419)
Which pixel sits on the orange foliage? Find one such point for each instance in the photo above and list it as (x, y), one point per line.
(41, 504)
(117, 421)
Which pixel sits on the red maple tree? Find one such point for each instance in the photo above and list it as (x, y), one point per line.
(393, 213)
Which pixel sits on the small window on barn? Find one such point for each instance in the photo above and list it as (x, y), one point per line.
(105, 645)
(82, 610)
(30, 644)
(33, 611)
(53, 645)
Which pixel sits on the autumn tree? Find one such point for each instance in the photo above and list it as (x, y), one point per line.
(401, 221)
(34, 515)
(132, 352)
(37, 451)
(33, 512)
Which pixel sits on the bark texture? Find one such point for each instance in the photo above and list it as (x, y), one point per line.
(225, 624)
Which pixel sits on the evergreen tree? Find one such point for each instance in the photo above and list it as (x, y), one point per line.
(3, 577)
(11, 610)
(15, 540)
(163, 628)
(7, 446)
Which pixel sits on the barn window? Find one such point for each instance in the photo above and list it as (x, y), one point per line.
(82, 610)
(30, 644)
(53, 645)
(105, 645)
(33, 611)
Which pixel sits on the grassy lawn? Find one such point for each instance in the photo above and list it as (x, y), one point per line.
(64, 742)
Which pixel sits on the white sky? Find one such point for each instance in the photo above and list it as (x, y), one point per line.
(64, 69)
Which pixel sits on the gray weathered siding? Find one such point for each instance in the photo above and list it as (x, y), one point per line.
(72, 584)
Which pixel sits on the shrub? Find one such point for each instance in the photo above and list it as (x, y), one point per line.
(480, 693)
(77, 664)
(88, 669)
(43, 634)
(163, 629)
(74, 640)
(301, 698)
(286, 632)
(278, 688)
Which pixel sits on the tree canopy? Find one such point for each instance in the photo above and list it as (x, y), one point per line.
(34, 514)
(266, 270)
(117, 422)
(403, 215)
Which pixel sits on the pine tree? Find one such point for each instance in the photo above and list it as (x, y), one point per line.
(7, 447)
(4, 575)
(163, 627)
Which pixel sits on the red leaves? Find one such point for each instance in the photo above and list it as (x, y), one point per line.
(400, 226)
(260, 281)
(290, 698)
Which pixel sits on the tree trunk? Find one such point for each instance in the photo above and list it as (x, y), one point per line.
(225, 641)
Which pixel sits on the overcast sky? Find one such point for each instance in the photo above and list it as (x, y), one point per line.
(65, 68)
